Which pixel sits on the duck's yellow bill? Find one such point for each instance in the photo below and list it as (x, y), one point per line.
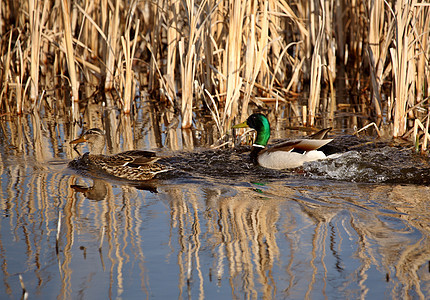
(241, 125)
(78, 140)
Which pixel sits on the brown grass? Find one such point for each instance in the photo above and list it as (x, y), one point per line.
(224, 57)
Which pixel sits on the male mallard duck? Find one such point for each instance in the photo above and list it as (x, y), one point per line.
(130, 165)
(283, 155)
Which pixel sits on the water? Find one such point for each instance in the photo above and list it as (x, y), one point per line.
(216, 228)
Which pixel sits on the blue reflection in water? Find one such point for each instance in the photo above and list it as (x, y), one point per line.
(224, 230)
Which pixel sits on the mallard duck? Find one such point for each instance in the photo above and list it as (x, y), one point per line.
(129, 165)
(286, 154)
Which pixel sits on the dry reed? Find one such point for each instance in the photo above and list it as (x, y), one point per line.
(316, 66)
(110, 49)
(69, 50)
(128, 48)
(220, 56)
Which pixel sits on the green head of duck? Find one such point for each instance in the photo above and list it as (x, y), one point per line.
(259, 123)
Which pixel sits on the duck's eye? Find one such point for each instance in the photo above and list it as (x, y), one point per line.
(94, 131)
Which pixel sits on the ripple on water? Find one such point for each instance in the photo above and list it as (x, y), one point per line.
(378, 164)
(387, 164)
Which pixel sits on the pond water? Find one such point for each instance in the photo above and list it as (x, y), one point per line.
(217, 227)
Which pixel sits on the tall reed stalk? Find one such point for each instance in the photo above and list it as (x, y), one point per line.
(422, 34)
(129, 49)
(110, 48)
(172, 45)
(232, 61)
(68, 43)
(225, 58)
(314, 95)
(6, 72)
(403, 61)
(380, 36)
(35, 29)
(19, 82)
(188, 69)
(256, 52)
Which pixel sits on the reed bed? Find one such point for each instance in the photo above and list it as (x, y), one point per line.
(222, 57)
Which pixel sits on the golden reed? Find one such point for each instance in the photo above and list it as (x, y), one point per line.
(220, 56)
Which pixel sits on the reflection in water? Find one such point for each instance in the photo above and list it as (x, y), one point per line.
(98, 191)
(223, 233)
(282, 239)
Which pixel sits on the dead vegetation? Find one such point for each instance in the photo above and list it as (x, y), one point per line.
(221, 56)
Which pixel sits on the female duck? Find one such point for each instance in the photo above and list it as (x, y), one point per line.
(283, 155)
(130, 165)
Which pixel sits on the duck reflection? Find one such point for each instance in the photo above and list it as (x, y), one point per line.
(99, 190)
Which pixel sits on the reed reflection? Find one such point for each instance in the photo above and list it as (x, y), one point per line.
(112, 224)
(255, 242)
(283, 239)
(241, 235)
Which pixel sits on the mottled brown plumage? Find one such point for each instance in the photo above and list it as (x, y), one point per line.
(131, 165)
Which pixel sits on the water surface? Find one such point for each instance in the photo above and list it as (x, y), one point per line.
(217, 228)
